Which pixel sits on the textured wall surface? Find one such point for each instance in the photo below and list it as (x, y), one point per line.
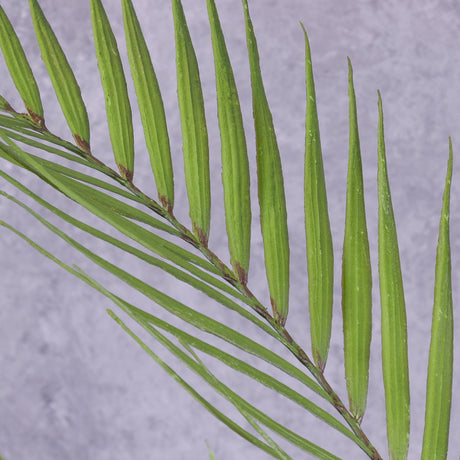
(73, 385)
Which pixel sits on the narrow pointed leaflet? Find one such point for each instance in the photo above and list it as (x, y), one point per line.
(356, 273)
(62, 78)
(235, 165)
(273, 216)
(117, 103)
(320, 254)
(194, 130)
(20, 70)
(441, 358)
(150, 106)
(394, 323)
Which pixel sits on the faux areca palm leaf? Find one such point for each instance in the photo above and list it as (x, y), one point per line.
(160, 241)
(235, 164)
(194, 128)
(273, 217)
(118, 107)
(150, 106)
(20, 70)
(440, 364)
(394, 324)
(62, 77)
(356, 273)
(320, 255)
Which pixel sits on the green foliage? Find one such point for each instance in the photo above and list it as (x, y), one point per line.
(394, 325)
(62, 77)
(149, 230)
(273, 218)
(19, 68)
(117, 105)
(320, 255)
(194, 128)
(440, 364)
(150, 106)
(356, 274)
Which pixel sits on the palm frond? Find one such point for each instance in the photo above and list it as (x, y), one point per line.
(121, 216)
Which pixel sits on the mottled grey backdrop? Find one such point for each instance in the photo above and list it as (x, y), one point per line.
(73, 386)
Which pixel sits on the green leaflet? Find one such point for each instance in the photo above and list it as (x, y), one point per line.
(20, 70)
(62, 77)
(356, 274)
(150, 106)
(117, 104)
(320, 254)
(440, 364)
(235, 164)
(394, 324)
(194, 129)
(273, 217)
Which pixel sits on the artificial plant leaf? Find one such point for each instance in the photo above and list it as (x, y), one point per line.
(356, 273)
(235, 164)
(320, 254)
(272, 201)
(394, 323)
(194, 129)
(62, 78)
(150, 106)
(441, 358)
(20, 70)
(113, 80)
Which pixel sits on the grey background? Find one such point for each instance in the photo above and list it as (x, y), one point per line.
(73, 385)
